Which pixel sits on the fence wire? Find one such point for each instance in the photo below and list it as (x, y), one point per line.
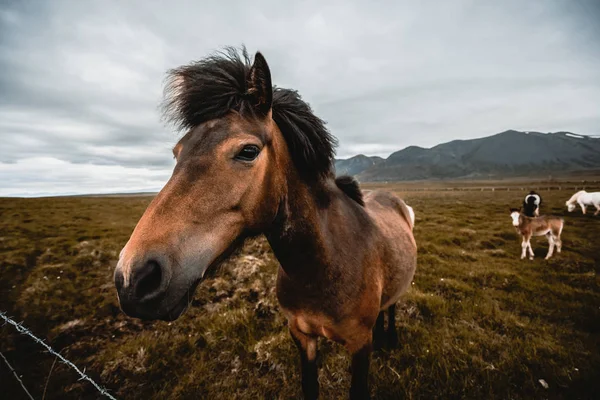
(24, 331)
(16, 376)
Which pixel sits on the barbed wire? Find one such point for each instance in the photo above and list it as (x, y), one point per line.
(24, 331)
(16, 375)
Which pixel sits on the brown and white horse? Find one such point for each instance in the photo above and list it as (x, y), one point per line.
(537, 226)
(255, 159)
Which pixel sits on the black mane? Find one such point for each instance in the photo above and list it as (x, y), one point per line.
(214, 86)
(350, 186)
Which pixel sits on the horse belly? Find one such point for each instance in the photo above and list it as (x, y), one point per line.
(542, 232)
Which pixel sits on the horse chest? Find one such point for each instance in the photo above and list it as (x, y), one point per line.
(312, 305)
(318, 295)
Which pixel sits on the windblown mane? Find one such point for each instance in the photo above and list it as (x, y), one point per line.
(349, 185)
(573, 198)
(218, 84)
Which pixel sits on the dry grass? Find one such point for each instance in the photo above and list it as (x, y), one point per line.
(478, 322)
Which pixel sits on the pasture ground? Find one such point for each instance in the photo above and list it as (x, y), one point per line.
(477, 322)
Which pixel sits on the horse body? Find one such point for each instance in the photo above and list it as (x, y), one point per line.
(256, 160)
(340, 267)
(373, 247)
(584, 199)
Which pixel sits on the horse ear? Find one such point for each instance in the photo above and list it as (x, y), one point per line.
(260, 88)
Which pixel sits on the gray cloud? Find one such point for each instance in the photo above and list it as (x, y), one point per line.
(80, 82)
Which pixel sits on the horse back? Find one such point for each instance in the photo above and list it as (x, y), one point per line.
(379, 201)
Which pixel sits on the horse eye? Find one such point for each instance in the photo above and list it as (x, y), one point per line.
(248, 153)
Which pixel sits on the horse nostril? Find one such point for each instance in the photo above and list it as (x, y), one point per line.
(150, 282)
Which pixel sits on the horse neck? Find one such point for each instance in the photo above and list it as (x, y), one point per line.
(524, 220)
(298, 235)
(577, 195)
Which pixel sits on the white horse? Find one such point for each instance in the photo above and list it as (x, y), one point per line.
(584, 199)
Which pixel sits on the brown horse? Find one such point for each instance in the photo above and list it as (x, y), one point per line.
(255, 159)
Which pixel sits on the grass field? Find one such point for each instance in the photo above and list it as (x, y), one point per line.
(477, 322)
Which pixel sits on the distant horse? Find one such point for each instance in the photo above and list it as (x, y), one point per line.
(584, 199)
(539, 226)
(255, 159)
(531, 204)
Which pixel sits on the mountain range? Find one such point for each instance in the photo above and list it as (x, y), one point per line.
(509, 153)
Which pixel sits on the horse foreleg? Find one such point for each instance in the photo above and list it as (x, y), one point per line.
(379, 332)
(582, 207)
(391, 331)
(359, 388)
(526, 245)
(358, 340)
(307, 346)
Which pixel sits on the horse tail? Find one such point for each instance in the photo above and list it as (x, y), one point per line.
(411, 212)
(406, 212)
(562, 225)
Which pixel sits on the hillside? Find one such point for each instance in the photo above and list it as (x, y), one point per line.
(357, 164)
(510, 153)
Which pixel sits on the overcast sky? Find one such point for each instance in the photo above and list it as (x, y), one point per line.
(81, 81)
